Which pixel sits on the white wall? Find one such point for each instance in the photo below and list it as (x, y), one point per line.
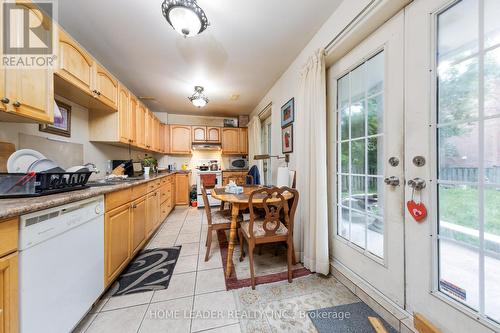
(97, 153)
(287, 85)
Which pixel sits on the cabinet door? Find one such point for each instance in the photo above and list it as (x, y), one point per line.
(132, 131)
(158, 220)
(151, 213)
(75, 65)
(199, 133)
(138, 224)
(105, 87)
(230, 140)
(141, 126)
(156, 134)
(243, 141)
(9, 291)
(180, 139)
(148, 128)
(167, 138)
(124, 114)
(116, 241)
(182, 189)
(213, 134)
(161, 147)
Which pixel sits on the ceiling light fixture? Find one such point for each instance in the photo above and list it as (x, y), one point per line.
(185, 16)
(198, 99)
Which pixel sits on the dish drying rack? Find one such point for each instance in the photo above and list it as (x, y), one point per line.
(32, 184)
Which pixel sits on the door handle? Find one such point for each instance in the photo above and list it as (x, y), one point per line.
(417, 184)
(392, 181)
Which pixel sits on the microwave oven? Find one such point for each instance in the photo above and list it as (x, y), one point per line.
(238, 163)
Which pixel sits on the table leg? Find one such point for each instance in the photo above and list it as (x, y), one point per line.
(232, 237)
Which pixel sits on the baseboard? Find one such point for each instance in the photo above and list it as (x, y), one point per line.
(384, 307)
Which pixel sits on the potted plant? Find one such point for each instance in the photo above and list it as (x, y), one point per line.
(149, 162)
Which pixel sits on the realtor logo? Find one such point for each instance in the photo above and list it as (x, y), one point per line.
(29, 34)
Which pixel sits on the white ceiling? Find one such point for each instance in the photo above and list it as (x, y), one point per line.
(249, 44)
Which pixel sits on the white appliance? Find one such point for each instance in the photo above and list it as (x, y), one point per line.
(61, 265)
(218, 182)
(238, 163)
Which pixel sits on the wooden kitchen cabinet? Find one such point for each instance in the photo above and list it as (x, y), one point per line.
(182, 189)
(239, 177)
(124, 115)
(166, 129)
(116, 241)
(243, 141)
(9, 294)
(230, 141)
(156, 134)
(105, 87)
(199, 133)
(180, 139)
(75, 64)
(213, 134)
(141, 126)
(151, 212)
(138, 225)
(134, 104)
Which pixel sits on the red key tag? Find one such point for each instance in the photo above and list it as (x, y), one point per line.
(417, 210)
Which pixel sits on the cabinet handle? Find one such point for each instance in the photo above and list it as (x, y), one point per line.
(99, 93)
(5, 100)
(17, 104)
(134, 206)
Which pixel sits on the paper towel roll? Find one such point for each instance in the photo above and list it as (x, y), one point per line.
(283, 177)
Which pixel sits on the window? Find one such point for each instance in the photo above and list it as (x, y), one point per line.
(266, 147)
(468, 154)
(360, 106)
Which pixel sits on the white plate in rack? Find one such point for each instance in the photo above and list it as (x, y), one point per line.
(20, 161)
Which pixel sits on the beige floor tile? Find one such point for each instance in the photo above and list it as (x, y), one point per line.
(118, 302)
(168, 316)
(164, 241)
(209, 281)
(235, 328)
(189, 249)
(125, 320)
(220, 302)
(181, 285)
(214, 260)
(190, 228)
(187, 238)
(85, 323)
(186, 264)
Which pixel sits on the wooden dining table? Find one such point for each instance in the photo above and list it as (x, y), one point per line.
(239, 203)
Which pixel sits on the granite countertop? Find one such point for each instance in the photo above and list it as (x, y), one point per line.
(20, 206)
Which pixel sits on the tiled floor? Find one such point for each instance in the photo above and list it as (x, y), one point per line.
(196, 299)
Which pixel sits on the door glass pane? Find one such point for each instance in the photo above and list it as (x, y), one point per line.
(360, 155)
(468, 183)
(458, 152)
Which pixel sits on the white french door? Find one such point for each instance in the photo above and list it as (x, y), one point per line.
(452, 107)
(365, 90)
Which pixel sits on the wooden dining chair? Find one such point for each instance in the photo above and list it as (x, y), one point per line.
(217, 220)
(269, 228)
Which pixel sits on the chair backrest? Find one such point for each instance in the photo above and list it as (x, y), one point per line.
(275, 205)
(208, 210)
(249, 180)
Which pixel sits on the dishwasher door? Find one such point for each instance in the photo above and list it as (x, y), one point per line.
(62, 275)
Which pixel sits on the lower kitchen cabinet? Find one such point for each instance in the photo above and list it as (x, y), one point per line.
(9, 294)
(151, 212)
(182, 189)
(138, 225)
(116, 241)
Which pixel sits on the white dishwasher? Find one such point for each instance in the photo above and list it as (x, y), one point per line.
(61, 265)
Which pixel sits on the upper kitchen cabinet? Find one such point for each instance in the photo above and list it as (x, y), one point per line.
(213, 134)
(132, 130)
(234, 141)
(105, 87)
(27, 95)
(140, 121)
(76, 66)
(180, 139)
(166, 129)
(199, 133)
(124, 115)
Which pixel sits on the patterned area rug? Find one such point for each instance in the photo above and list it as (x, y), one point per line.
(149, 270)
(269, 266)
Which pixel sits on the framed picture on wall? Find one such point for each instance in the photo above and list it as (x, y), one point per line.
(288, 113)
(287, 139)
(62, 124)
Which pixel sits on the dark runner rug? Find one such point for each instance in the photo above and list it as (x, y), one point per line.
(347, 318)
(149, 270)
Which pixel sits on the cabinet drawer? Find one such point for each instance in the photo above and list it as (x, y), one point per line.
(116, 199)
(8, 236)
(139, 191)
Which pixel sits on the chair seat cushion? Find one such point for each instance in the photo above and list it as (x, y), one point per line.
(221, 216)
(258, 228)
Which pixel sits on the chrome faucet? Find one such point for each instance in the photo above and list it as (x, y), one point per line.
(92, 167)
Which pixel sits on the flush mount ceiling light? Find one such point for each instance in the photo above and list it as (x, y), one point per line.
(185, 16)
(198, 99)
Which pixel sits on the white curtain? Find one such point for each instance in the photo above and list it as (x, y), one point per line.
(311, 164)
(255, 145)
